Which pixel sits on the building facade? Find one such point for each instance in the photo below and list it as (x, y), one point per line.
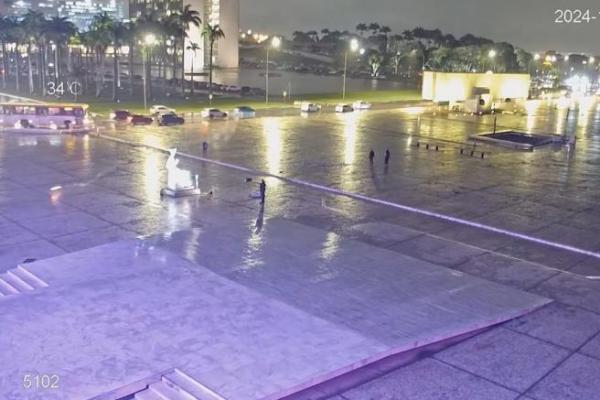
(459, 86)
(80, 12)
(225, 13)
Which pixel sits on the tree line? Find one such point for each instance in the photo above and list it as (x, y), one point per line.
(420, 48)
(36, 49)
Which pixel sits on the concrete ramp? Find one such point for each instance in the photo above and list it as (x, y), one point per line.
(249, 314)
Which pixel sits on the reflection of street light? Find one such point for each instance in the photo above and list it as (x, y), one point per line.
(275, 43)
(149, 41)
(354, 47)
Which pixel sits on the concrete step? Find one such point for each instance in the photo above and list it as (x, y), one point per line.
(147, 394)
(6, 289)
(29, 277)
(170, 392)
(16, 282)
(188, 384)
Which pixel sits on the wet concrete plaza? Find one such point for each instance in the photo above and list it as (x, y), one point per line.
(109, 191)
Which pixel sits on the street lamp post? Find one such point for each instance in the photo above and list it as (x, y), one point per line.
(149, 40)
(354, 47)
(492, 55)
(534, 61)
(275, 43)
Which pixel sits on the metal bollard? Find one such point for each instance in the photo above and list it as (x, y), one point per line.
(472, 153)
(462, 151)
(437, 148)
(418, 144)
(482, 155)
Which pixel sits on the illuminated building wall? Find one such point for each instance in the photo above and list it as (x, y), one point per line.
(225, 13)
(448, 86)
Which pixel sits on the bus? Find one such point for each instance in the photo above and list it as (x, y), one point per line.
(47, 117)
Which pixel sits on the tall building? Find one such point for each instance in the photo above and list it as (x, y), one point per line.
(80, 12)
(225, 13)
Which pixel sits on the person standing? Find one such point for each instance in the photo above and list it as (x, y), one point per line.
(263, 191)
(387, 156)
(371, 156)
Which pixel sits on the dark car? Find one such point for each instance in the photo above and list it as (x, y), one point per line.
(120, 115)
(170, 119)
(138, 119)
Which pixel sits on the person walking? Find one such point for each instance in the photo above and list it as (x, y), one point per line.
(263, 191)
(371, 156)
(387, 156)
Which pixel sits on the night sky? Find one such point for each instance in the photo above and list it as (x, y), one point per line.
(526, 23)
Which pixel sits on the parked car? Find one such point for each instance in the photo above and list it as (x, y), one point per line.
(213, 113)
(361, 105)
(244, 112)
(120, 115)
(170, 119)
(159, 109)
(310, 107)
(137, 119)
(344, 108)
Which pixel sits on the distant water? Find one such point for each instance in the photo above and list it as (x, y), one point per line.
(281, 81)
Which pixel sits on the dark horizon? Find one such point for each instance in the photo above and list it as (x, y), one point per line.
(528, 24)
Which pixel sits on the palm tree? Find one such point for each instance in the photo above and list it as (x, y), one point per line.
(88, 41)
(133, 30)
(100, 37)
(375, 61)
(7, 26)
(194, 48)
(211, 34)
(361, 29)
(118, 34)
(374, 28)
(385, 31)
(15, 36)
(59, 30)
(32, 23)
(188, 17)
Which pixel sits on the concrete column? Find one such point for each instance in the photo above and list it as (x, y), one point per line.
(228, 47)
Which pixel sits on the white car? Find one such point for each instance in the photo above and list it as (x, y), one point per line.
(213, 113)
(344, 108)
(310, 107)
(159, 109)
(244, 112)
(361, 105)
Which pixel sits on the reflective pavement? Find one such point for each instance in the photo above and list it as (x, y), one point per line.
(110, 191)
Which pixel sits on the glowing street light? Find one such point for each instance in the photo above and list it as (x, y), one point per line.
(275, 43)
(537, 57)
(354, 47)
(592, 60)
(150, 39)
